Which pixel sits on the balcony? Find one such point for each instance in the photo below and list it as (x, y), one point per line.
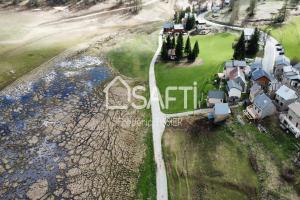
(251, 113)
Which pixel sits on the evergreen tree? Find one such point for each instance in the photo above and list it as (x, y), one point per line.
(190, 22)
(187, 48)
(169, 43)
(196, 49)
(164, 52)
(194, 54)
(173, 43)
(179, 47)
(239, 49)
(253, 46)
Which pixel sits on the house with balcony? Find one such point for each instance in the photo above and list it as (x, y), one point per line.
(291, 120)
(262, 107)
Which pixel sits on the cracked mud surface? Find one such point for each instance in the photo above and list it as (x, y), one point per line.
(57, 139)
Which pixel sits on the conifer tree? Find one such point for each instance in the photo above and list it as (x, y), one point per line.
(164, 52)
(187, 48)
(169, 42)
(239, 49)
(253, 46)
(179, 47)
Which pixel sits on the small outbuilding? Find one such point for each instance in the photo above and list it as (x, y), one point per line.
(168, 27)
(221, 112)
(261, 77)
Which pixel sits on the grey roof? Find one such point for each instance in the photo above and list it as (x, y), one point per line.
(256, 64)
(222, 109)
(286, 93)
(257, 74)
(235, 63)
(216, 94)
(295, 107)
(168, 25)
(282, 60)
(262, 101)
(232, 84)
(297, 67)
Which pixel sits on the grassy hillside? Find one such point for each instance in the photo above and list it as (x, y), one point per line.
(214, 51)
(230, 161)
(289, 36)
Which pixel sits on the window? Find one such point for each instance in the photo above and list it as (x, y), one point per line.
(290, 117)
(297, 124)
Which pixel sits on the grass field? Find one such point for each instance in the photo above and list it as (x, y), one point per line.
(214, 51)
(289, 36)
(15, 61)
(214, 162)
(132, 57)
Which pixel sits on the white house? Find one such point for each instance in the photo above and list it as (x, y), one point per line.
(221, 112)
(248, 33)
(291, 120)
(234, 91)
(284, 97)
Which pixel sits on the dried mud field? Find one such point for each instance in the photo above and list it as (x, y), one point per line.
(58, 140)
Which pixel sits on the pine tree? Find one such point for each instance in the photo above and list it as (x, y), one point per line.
(173, 43)
(253, 46)
(194, 54)
(179, 47)
(164, 52)
(187, 48)
(169, 43)
(190, 22)
(196, 49)
(239, 49)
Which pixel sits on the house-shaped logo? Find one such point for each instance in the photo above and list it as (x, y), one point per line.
(116, 81)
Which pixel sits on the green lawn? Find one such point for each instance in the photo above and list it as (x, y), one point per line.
(289, 36)
(214, 51)
(132, 57)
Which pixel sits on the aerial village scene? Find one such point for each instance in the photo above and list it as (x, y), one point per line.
(150, 99)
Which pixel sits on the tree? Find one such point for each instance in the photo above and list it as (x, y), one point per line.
(173, 43)
(194, 54)
(164, 52)
(239, 49)
(252, 8)
(187, 48)
(169, 42)
(179, 47)
(253, 46)
(190, 22)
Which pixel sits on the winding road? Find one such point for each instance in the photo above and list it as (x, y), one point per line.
(159, 118)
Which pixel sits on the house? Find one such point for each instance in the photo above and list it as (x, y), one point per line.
(273, 86)
(255, 90)
(215, 96)
(284, 97)
(234, 91)
(261, 77)
(237, 75)
(168, 27)
(291, 77)
(280, 62)
(291, 120)
(262, 107)
(178, 28)
(257, 64)
(248, 33)
(172, 54)
(235, 63)
(221, 112)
